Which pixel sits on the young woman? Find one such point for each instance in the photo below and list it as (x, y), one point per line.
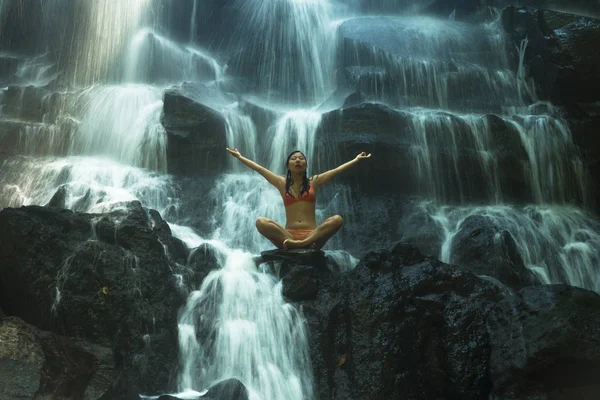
(299, 195)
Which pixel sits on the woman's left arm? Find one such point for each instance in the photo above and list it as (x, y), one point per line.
(325, 177)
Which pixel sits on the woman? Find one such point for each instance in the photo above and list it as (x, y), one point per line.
(299, 195)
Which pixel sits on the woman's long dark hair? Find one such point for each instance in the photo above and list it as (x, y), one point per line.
(288, 179)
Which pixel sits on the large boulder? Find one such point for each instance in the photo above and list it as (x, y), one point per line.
(567, 72)
(41, 364)
(422, 153)
(196, 134)
(584, 121)
(110, 279)
(401, 325)
(559, 54)
(484, 248)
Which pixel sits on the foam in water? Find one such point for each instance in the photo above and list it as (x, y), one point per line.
(90, 184)
(560, 244)
(123, 123)
(254, 334)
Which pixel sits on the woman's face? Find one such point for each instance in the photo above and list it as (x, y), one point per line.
(297, 162)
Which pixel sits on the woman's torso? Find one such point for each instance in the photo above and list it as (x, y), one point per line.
(300, 212)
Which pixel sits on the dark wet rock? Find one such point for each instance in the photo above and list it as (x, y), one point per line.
(395, 136)
(196, 135)
(583, 121)
(373, 220)
(262, 116)
(458, 9)
(343, 97)
(543, 343)
(393, 60)
(296, 256)
(52, 366)
(373, 128)
(484, 248)
(59, 198)
(21, 359)
(301, 283)
(202, 260)
(559, 54)
(197, 207)
(402, 325)
(578, 7)
(229, 389)
(14, 133)
(24, 103)
(114, 286)
(419, 229)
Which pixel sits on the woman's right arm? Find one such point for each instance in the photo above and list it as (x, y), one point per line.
(273, 179)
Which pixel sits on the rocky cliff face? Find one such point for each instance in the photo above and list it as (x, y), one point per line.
(565, 72)
(106, 279)
(400, 325)
(404, 326)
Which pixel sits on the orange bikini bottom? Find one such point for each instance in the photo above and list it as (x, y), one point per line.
(300, 234)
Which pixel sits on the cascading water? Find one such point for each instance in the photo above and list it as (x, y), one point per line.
(100, 141)
(436, 73)
(288, 48)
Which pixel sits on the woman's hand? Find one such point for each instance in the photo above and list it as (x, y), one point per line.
(363, 155)
(234, 152)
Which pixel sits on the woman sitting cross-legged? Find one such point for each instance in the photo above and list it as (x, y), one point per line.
(299, 194)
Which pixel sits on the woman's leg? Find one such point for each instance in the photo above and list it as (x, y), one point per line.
(272, 231)
(319, 236)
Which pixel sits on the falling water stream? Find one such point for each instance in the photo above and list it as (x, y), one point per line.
(106, 145)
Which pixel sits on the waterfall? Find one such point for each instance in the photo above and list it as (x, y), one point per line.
(295, 61)
(248, 332)
(82, 111)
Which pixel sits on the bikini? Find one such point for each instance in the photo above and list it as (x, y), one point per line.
(288, 200)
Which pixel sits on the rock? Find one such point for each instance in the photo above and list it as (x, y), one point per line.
(484, 248)
(59, 198)
(409, 145)
(229, 389)
(21, 359)
(202, 260)
(419, 229)
(23, 103)
(558, 54)
(52, 366)
(550, 350)
(295, 256)
(579, 7)
(262, 116)
(196, 136)
(401, 325)
(371, 220)
(115, 286)
(584, 120)
(401, 62)
(301, 283)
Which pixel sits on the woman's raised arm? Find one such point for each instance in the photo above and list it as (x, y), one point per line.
(272, 178)
(325, 177)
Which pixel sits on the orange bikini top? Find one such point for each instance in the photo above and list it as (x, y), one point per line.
(288, 199)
